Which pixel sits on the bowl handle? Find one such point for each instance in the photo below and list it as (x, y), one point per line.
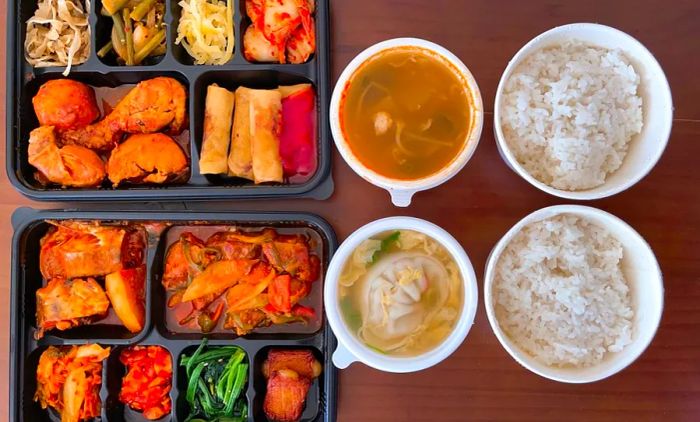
(342, 358)
(400, 197)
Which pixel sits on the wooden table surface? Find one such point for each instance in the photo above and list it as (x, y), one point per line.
(480, 381)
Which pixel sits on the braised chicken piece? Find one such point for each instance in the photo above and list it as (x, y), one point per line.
(65, 104)
(291, 254)
(230, 246)
(147, 158)
(154, 105)
(301, 361)
(217, 277)
(184, 260)
(76, 249)
(71, 165)
(64, 304)
(68, 379)
(245, 321)
(274, 35)
(285, 397)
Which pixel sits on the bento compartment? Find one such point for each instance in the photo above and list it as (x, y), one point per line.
(109, 89)
(214, 369)
(179, 51)
(238, 156)
(312, 406)
(170, 311)
(145, 36)
(31, 410)
(118, 411)
(25, 11)
(296, 36)
(66, 291)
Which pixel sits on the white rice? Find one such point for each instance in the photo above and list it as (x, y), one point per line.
(569, 113)
(560, 294)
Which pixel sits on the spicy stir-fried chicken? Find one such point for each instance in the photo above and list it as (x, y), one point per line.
(262, 277)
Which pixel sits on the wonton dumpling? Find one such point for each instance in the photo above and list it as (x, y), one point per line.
(393, 297)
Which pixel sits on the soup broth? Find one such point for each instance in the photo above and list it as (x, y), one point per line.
(401, 293)
(406, 113)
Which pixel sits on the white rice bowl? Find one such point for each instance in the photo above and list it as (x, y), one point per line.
(569, 111)
(560, 294)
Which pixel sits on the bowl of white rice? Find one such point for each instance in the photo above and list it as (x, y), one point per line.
(583, 111)
(573, 293)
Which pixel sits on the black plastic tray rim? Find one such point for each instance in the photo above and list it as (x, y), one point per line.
(23, 217)
(319, 186)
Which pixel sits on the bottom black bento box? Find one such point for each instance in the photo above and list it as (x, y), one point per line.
(31, 225)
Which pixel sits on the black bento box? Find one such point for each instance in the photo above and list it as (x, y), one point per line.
(30, 225)
(23, 82)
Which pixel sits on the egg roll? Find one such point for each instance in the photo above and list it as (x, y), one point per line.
(265, 124)
(218, 114)
(240, 160)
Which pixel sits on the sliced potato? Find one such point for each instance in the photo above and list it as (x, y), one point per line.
(125, 290)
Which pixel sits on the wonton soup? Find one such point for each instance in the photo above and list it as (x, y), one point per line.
(400, 293)
(406, 113)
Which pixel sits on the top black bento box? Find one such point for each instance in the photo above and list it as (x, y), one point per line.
(31, 225)
(23, 82)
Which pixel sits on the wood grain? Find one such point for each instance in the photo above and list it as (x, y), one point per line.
(480, 381)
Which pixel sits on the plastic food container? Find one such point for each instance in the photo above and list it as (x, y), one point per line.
(645, 149)
(23, 82)
(350, 349)
(402, 191)
(30, 226)
(641, 271)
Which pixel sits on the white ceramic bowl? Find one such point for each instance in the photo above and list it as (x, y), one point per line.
(641, 271)
(401, 191)
(350, 349)
(645, 149)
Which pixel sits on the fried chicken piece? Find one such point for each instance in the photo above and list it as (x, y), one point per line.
(154, 105)
(301, 361)
(65, 304)
(76, 249)
(65, 104)
(285, 397)
(71, 165)
(147, 158)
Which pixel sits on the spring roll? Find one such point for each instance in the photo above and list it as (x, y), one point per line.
(218, 114)
(240, 160)
(265, 125)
